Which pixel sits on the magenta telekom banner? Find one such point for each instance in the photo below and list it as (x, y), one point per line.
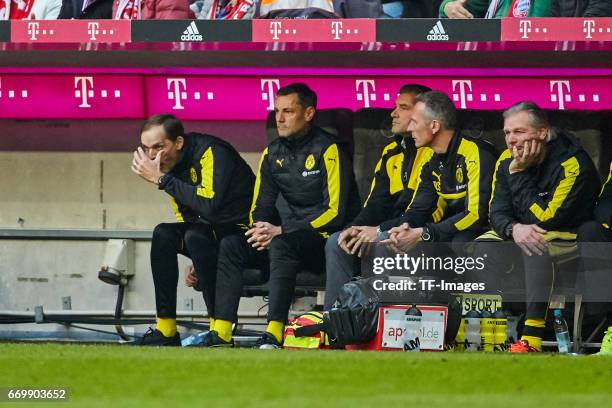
(70, 31)
(306, 30)
(218, 97)
(251, 98)
(71, 96)
(554, 29)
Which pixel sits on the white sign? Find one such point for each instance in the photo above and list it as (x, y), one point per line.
(432, 327)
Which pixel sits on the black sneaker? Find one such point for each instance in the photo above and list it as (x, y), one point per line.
(156, 338)
(267, 342)
(212, 339)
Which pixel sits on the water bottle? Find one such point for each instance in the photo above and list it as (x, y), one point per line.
(412, 329)
(561, 332)
(487, 326)
(499, 331)
(472, 331)
(194, 340)
(460, 339)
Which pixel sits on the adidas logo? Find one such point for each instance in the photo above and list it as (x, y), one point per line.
(437, 33)
(191, 33)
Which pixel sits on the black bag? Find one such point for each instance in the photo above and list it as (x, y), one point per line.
(354, 317)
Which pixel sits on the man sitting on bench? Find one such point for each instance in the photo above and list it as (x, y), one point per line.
(545, 186)
(395, 178)
(210, 188)
(314, 176)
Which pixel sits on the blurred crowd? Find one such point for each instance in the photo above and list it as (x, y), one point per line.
(248, 9)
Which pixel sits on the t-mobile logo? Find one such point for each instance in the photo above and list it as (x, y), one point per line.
(588, 27)
(93, 30)
(83, 90)
(465, 92)
(177, 91)
(366, 91)
(560, 96)
(276, 28)
(33, 31)
(268, 90)
(336, 29)
(525, 28)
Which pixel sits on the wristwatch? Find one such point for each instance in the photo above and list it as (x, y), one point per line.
(162, 180)
(426, 235)
(381, 235)
(378, 232)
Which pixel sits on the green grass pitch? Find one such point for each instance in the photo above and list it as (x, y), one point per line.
(114, 376)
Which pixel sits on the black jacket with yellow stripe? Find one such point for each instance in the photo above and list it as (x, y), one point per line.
(557, 194)
(395, 178)
(314, 176)
(210, 183)
(455, 187)
(603, 209)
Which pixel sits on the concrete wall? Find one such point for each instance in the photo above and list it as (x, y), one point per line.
(78, 190)
(42, 272)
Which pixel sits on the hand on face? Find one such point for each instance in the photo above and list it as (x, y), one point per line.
(528, 156)
(148, 169)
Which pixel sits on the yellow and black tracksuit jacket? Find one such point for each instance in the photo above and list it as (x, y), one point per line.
(453, 190)
(557, 195)
(315, 179)
(395, 178)
(603, 209)
(210, 183)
